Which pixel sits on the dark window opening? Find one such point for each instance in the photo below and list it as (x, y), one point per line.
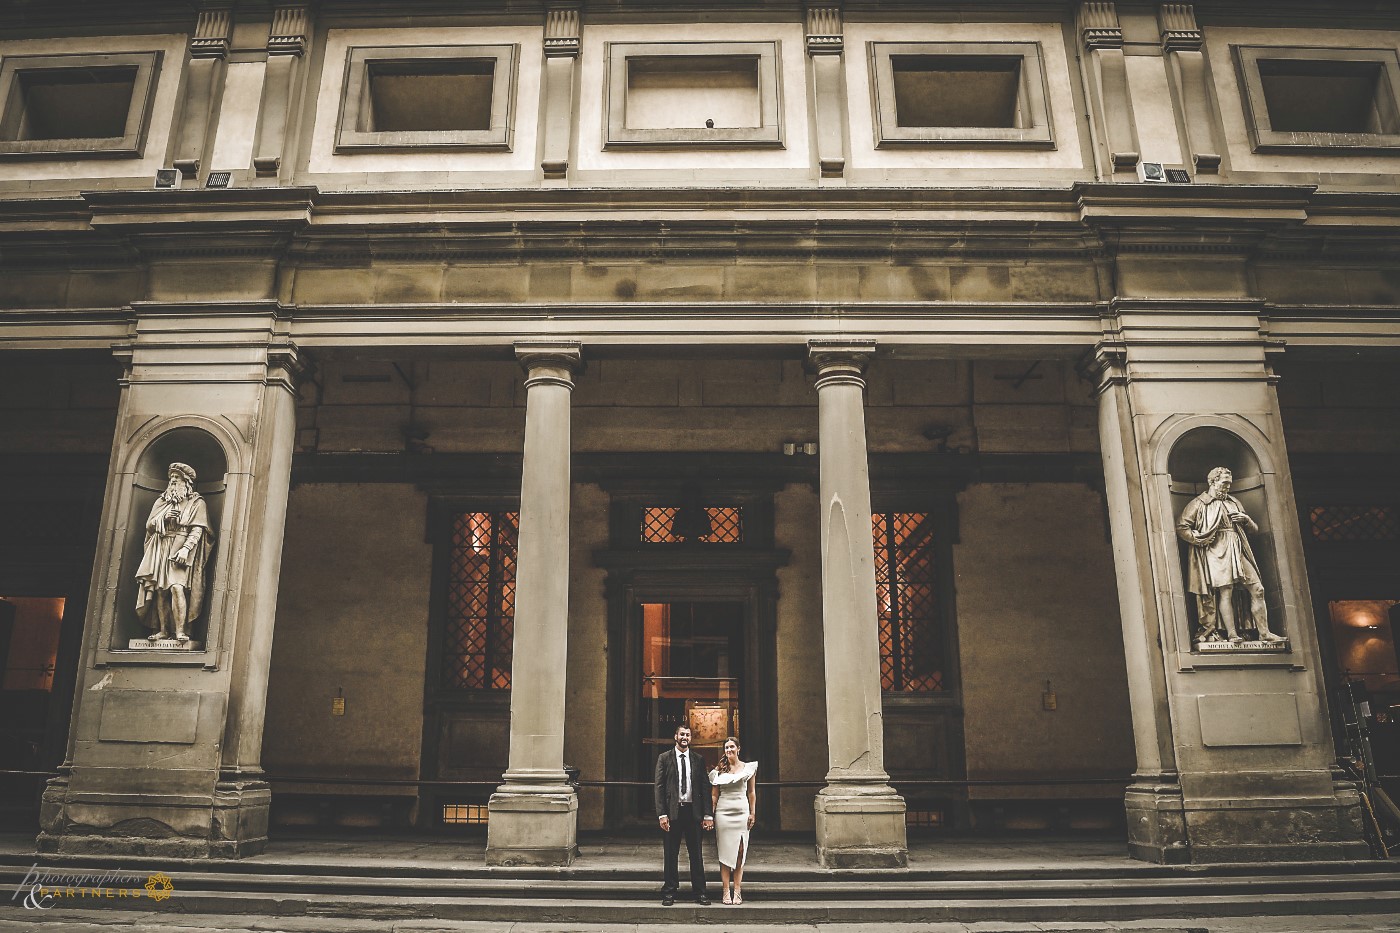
(481, 601)
(693, 91)
(69, 103)
(1328, 97)
(957, 90)
(911, 636)
(429, 95)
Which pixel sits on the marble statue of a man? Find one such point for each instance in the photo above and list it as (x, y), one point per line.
(178, 541)
(1221, 560)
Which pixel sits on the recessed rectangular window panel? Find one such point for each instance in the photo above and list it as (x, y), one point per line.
(431, 96)
(1324, 97)
(955, 90)
(971, 95)
(73, 103)
(76, 105)
(697, 92)
(724, 95)
(1332, 100)
(437, 97)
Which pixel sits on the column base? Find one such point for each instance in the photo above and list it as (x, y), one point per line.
(532, 828)
(861, 830)
(228, 822)
(1156, 821)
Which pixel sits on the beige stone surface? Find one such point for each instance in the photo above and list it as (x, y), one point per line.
(586, 711)
(1037, 601)
(352, 616)
(801, 692)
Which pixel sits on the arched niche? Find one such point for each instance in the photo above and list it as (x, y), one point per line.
(1192, 457)
(201, 451)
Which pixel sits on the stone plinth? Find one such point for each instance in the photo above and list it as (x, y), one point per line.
(532, 828)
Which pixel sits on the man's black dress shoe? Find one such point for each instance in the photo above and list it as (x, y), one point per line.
(667, 900)
(703, 901)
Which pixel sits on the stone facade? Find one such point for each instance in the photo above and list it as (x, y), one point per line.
(1035, 321)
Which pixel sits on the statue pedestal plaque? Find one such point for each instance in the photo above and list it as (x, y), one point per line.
(1225, 647)
(163, 644)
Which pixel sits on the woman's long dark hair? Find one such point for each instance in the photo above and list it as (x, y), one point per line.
(723, 758)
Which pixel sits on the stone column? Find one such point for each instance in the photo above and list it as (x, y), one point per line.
(1233, 741)
(534, 813)
(163, 756)
(859, 817)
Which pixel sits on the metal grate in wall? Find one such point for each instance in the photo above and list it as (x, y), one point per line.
(911, 637)
(726, 525)
(1355, 524)
(481, 601)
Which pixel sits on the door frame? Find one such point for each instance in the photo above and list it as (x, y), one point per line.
(747, 576)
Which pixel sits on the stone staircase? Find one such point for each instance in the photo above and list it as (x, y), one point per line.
(312, 888)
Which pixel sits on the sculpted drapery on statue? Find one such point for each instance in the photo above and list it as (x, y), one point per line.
(1221, 563)
(178, 541)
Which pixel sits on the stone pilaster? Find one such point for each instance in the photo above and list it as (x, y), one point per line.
(208, 51)
(286, 44)
(859, 817)
(1182, 43)
(1106, 85)
(562, 26)
(534, 813)
(825, 43)
(163, 755)
(1233, 740)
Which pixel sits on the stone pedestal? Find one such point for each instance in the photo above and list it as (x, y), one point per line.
(163, 756)
(1233, 741)
(534, 814)
(859, 817)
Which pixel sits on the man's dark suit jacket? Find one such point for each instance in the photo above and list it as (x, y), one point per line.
(668, 789)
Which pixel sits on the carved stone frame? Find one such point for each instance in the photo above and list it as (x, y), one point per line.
(768, 135)
(355, 92)
(1032, 97)
(129, 145)
(1263, 137)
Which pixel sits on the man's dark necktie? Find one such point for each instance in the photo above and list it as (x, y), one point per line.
(685, 773)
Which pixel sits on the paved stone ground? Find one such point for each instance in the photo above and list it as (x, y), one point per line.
(87, 921)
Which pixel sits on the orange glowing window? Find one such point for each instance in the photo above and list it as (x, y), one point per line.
(480, 601)
(906, 591)
(1363, 631)
(29, 630)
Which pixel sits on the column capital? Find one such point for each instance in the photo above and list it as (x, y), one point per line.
(1180, 32)
(1098, 25)
(824, 28)
(839, 361)
(562, 28)
(553, 361)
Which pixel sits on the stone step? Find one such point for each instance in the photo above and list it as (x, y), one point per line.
(882, 886)
(759, 909)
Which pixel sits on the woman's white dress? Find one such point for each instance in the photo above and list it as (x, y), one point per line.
(732, 812)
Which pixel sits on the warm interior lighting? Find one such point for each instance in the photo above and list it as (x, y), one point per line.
(29, 630)
(1363, 632)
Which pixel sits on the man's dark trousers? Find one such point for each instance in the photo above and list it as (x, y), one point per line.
(684, 825)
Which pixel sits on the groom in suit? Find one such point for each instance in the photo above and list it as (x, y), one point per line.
(683, 809)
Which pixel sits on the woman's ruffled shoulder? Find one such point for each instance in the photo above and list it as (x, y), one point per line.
(714, 775)
(749, 770)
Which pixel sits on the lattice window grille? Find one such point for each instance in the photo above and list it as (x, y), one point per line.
(1355, 524)
(726, 525)
(911, 637)
(480, 625)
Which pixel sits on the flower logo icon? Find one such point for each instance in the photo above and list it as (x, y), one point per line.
(159, 887)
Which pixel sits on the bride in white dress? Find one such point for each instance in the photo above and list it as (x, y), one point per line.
(735, 806)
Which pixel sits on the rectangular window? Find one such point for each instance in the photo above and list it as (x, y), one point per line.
(465, 814)
(1355, 524)
(668, 525)
(960, 93)
(906, 590)
(1300, 99)
(480, 601)
(674, 94)
(428, 97)
(76, 105)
